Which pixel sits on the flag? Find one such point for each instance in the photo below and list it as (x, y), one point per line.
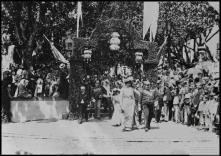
(160, 52)
(79, 16)
(147, 35)
(56, 53)
(150, 17)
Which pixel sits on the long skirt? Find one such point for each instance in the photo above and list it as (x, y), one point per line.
(117, 115)
(128, 106)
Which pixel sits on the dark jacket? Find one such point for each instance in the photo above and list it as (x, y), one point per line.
(85, 97)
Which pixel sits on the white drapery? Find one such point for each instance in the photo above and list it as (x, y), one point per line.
(150, 17)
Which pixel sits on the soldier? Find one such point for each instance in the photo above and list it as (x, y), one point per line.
(83, 102)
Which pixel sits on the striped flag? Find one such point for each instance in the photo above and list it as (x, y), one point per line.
(161, 49)
(56, 53)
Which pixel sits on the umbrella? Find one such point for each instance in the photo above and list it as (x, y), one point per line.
(194, 71)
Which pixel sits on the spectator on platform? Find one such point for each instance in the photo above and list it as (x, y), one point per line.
(23, 92)
(39, 88)
(63, 86)
(176, 107)
(32, 80)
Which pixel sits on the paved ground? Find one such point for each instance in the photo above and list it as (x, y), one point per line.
(99, 137)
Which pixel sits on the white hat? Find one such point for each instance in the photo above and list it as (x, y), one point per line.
(187, 96)
(62, 65)
(158, 81)
(128, 79)
(146, 82)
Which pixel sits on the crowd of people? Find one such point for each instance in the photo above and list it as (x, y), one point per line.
(21, 83)
(131, 103)
(176, 96)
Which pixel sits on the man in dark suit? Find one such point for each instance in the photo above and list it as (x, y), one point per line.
(83, 102)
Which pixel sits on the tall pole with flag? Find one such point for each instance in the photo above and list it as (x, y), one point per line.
(79, 15)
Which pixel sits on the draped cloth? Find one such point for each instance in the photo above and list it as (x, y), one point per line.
(150, 17)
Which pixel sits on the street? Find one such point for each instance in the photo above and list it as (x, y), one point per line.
(99, 137)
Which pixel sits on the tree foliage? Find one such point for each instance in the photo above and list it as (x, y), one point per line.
(28, 20)
(183, 21)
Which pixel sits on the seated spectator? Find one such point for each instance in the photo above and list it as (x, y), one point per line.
(39, 88)
(24, 74)
(56, 93)
(22, 90)
(32, 80)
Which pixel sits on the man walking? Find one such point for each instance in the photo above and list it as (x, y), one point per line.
(147, 102)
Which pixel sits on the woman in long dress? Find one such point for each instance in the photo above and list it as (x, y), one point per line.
(117, 114)
(127, 104)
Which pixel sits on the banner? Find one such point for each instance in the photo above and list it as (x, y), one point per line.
(150, 17)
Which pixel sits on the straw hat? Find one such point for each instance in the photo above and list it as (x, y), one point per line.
(158, 81)
(129, 79)
(187, 96)
(62, 65)
(146, 82)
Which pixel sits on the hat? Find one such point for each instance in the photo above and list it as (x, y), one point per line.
(158, 81)
(62, 65)
(215, 96)
(146, 82)
(39, 81)
(212, 94)
(199, 85)
(129, 79)
(187, 96)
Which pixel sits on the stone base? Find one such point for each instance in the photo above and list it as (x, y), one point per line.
(32, 109)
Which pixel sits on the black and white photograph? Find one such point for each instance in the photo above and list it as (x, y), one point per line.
(110, 77)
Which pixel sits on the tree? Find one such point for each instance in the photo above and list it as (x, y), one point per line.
(183, 21)
(28, 20)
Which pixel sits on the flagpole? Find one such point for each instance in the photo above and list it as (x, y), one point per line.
(77, 26)
(78, 17)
